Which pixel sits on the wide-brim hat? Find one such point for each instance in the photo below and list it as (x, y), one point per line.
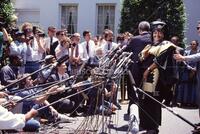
(158, 25)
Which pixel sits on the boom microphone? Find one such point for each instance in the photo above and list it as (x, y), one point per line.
(46, 73)
(119, 52)
(61, 60)
(112, 52)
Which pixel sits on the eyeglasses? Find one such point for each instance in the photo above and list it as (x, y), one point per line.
(27, 30)
(198, 28)
(62, 34)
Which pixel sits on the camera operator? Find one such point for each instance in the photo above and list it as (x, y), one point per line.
(34, 50)
(38, 33)
(18, 47)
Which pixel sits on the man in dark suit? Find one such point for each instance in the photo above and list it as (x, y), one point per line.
(136, 45)
(66, 105)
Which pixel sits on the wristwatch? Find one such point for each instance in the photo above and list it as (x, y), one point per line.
(149, 69)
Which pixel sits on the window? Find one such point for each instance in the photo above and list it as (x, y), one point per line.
(105, 18)
(69, 18)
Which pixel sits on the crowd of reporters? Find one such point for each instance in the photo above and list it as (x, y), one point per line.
(28, 49)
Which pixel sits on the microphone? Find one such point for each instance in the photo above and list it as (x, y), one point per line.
(79, 72)
(118, 52)
(44, 75)
(123, 62)
(124, 54)
(61, 60)
(111, 71)
(46, 59)
(122, 49)
(112, 52)
(81, 68)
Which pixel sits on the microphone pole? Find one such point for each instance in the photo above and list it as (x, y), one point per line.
(78, 85)
(60, 61)
(108, 56)
(38, 86)
(69, 96)
(28, 96)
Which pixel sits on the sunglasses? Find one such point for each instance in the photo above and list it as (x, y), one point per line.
(28, 30)
(198, 28)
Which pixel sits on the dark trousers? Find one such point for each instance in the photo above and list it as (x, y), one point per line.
(149, 113)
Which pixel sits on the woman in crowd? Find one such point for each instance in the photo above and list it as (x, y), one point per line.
(187, 87)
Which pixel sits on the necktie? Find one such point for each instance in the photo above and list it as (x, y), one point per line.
(76, 52)
(51, 40)
(109, 45)
(87, 47)
(51, 43)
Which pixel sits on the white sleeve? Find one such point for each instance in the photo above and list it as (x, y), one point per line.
(82, 52)
(46, 43)
(103, 47)
(9, 120)
(193, 57)
(13, 49)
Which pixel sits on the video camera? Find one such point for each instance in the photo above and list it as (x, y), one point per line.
(38, 31)
(30, 38)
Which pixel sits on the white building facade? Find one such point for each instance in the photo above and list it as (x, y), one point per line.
(93, 15)
(73, 15)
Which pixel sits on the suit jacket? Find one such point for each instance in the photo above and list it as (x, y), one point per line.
(55, 77)
(53, 47)
(136, 45)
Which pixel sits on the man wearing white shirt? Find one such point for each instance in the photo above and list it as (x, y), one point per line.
(8, 120)
(108, 44)
(63, 48)
(50, 41)
(34, 51)
(88, 47)
(75, 60)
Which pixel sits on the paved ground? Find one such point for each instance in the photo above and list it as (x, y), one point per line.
(118, 124)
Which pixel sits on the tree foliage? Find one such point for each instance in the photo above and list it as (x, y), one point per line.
(172, 12)
(6, 11)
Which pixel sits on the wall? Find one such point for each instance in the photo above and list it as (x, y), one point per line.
(193, 16)
(49, 12)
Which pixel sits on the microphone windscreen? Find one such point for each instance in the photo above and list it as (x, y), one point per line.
(62, 59)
